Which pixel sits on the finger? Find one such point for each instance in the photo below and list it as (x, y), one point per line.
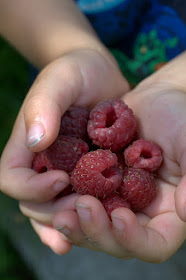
(180, 199)
(52, 238)
(53, 91)
(26, 184)
(97, 226)
(44, 212)
(67, 223)
(78, 78)
(155, 242)
(18, 180)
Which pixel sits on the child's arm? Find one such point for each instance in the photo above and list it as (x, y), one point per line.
(43, 30)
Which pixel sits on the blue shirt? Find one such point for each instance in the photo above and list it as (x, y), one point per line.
(144, 34)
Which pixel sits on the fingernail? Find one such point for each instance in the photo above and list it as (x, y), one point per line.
(35, 134)
(60, 185)
(83, 211)
(64, 230)
(118, 222)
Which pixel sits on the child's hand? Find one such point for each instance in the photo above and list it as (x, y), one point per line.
(41, 215)
(82, 77)
(157, 232)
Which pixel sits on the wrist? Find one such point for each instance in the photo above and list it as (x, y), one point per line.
(56, 48)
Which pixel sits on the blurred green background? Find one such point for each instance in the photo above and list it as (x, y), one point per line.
(14, 83)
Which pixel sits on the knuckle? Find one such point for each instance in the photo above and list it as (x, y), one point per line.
(94, 239)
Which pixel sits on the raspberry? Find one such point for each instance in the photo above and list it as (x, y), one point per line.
(138, 188)
(63, 154)
(112, 125)
(143, 154)
(74, 123)
(96, 174)
(114, 201)
(41, 163)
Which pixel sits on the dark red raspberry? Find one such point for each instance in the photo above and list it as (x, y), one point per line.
(74, 122)
(96, 174)
(112, 125)
(138, 188)
(63, 154)
(114, 201)
(41, 163)
(143, 154)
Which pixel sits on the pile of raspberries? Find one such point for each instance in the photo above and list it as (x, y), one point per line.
(100, 151)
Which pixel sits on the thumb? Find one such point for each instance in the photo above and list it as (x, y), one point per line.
(53, 91)
(82, 78)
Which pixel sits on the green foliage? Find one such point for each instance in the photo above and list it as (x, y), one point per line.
(13, 88)
(11, 265)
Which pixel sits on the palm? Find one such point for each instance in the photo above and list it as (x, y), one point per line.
(160, 232)
(161, 118)
(157, 232)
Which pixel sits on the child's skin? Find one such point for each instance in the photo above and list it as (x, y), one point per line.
(156, 233)
(80, 71)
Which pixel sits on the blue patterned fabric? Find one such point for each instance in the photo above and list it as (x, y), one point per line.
(113, 20)
(142, 34)
(119, 22)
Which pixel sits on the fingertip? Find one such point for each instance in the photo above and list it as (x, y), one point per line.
(35, 135)
(42, 118)
(40, 141)
(67, 217)
(51, 238)
(60, 245)
(118, 223)
(40, 136)
(180, 200)
(124, 214)
(93, 206)
(180, 206)
(58, 220)
(124, 225)
(46, 186)
(88, 200)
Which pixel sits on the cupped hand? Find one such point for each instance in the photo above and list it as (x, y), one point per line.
(81, 78)
(157, 232)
